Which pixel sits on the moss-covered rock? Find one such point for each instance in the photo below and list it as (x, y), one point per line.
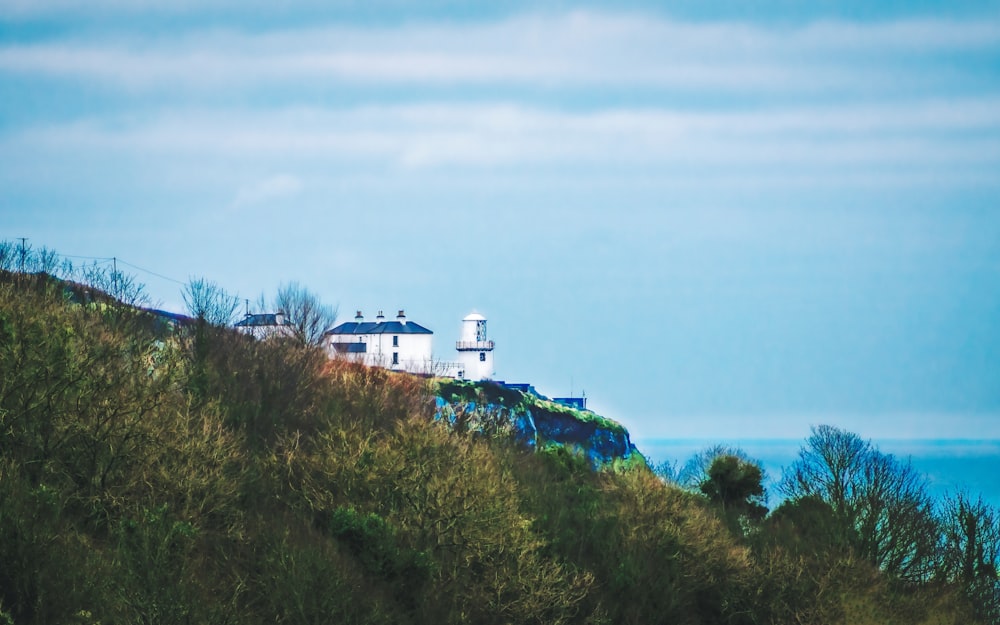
(533, 420)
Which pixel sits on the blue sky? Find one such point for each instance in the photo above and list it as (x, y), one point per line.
(717, 219)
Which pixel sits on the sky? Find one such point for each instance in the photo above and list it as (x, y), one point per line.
(716, 219)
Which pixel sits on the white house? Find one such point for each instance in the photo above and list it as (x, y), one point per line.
(399, 345)
(403, 345)
(475, 351)
(266, 325)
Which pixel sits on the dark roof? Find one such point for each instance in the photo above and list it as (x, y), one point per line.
(170, 316)
(265, 319)
(385, 327)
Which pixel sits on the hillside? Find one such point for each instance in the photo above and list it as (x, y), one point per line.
(158, 473)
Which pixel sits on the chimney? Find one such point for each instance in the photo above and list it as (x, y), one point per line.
(401, 317)
(279, 318)
(359, 317)
(380, 318)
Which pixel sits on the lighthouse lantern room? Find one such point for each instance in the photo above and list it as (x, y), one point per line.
(475, 350)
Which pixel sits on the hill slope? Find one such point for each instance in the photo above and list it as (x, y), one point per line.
(154, 473)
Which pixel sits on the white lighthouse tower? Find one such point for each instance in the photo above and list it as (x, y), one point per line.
(475, 351)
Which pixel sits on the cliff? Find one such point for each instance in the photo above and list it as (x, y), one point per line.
(533, 420)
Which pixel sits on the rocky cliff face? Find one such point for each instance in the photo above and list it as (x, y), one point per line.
(533, 420)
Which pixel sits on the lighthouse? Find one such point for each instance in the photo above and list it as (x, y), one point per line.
(475, 351)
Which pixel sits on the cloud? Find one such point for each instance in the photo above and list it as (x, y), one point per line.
(578, 49)
(262, 192)
(947, 136)
(600, 93)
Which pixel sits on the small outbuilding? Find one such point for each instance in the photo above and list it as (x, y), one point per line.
(266, 325)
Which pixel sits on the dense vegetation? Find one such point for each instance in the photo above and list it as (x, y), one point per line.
(152, 473)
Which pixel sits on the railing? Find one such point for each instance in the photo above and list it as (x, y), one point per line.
(468, 346)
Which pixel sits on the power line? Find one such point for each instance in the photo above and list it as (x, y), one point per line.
(104, 258)
(152, 273)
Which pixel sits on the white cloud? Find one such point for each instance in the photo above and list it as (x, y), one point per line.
(637, 152)
(261, 192)
(949, 134)
(584, 90)
(570, 50)
(37, 8)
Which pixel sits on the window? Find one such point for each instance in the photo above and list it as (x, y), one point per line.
(395, 341)
(482, 356)
(395, 358)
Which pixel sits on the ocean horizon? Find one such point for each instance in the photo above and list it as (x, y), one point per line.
(950, 465)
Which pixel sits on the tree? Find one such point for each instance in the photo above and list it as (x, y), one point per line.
(208, 302)
(119, 285)
(695, 470)
(44, 260)
(667, 471)
(736, 486)
(7, 256)
(884, 502)
(970, 552)
(310, 318)
(809, 526)
(828, 467)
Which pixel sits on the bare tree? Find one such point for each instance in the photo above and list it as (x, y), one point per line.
(7, 256)
(26, 259)
(970, 551)
(121, 286)
(882, 502)
(829, 467)
(894, 515)
(667, 471)
(310, 318)
(44, 260)
(207, 301)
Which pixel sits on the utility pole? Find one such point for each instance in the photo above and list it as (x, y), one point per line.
(23, 252)
(114, 275)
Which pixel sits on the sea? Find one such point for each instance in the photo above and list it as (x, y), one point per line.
(950, 465)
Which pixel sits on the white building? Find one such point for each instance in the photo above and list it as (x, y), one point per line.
(399, 345)
(475, 350)
(403, 345)
(266, 325)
